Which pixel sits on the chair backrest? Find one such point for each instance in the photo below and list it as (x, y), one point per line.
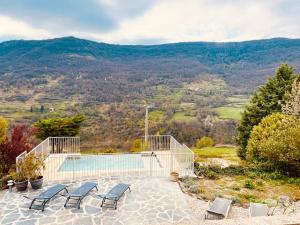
(220, 206)
(118, 190)
(84, 189)
(258, 209)
(52, 191)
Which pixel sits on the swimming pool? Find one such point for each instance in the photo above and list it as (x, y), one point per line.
(101, 162)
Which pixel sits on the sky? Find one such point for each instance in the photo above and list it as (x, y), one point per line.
(150, 21)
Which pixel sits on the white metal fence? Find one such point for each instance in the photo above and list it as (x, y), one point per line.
(53, 145)
(159, 156)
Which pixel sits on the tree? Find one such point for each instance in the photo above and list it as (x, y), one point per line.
(18, 141)
(205, 142)
(42, 109)
(3, 128)
(292, 105)
(267, 100)
(59, 127)
(276, 140)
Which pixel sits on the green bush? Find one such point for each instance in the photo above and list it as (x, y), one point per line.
(211, 175)
(234, 170)
(194, 189)
(276, 140)
(188, 181)
(211, 171)
(249, 184)
(205, 142)
(235, 187)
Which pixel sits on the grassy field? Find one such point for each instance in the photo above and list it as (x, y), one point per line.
(183, 117)
(228, 112)
(227, 153)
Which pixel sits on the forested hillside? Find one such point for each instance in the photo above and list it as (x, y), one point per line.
(196, 88)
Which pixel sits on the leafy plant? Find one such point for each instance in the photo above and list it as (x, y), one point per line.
(249, 184)
(194, 189)
(33, 165)
(18, 141)
(188, 181)
(205, 142)
(276, 140)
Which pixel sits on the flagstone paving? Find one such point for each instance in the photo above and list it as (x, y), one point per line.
(151, 201)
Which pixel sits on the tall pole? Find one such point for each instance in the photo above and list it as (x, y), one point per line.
(146, 125)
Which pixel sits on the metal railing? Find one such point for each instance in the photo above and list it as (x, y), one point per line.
(53, 145)
(181, 156)
(160, 155)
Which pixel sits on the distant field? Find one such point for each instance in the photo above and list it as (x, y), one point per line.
(183, 117)
(216, 152)
(228, 112)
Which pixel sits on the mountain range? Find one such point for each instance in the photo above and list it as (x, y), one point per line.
(242, 65)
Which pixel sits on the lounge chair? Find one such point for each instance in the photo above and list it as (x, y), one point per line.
(258, 209)
(114, 195)
(46, 196)
(219, 207)
(80, 193)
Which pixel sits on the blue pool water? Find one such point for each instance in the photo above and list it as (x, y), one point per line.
(101, 162)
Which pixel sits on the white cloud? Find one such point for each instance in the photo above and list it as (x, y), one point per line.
(177, 20)
(19, 29)
(173, 21)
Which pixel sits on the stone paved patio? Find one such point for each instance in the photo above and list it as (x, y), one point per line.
(152, 201)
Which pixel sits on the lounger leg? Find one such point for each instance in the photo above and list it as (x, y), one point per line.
(68, 198)
(116, 202)
(129, 189)
(78, 203)
(103, 201)
(32, 203)
(96, 188)
(43, 205)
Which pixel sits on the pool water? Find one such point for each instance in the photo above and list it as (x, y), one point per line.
(101, 162)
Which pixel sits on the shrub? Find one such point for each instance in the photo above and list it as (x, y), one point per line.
(205, 142)
(3, 127)
(236, 200)
(235, 187)
(211, 175)
(276, 140)
(211, 171)
(194, 189)
(188, 181)
(18, 141)
(234, 170)
(136, 145)
(33, 165)
(249, 184)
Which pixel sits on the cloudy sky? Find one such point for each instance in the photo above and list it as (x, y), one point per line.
(150, 21)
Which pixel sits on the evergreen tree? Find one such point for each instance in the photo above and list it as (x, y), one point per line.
(59, 127)
(42, 108)
(292, 106)
(266, 100)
